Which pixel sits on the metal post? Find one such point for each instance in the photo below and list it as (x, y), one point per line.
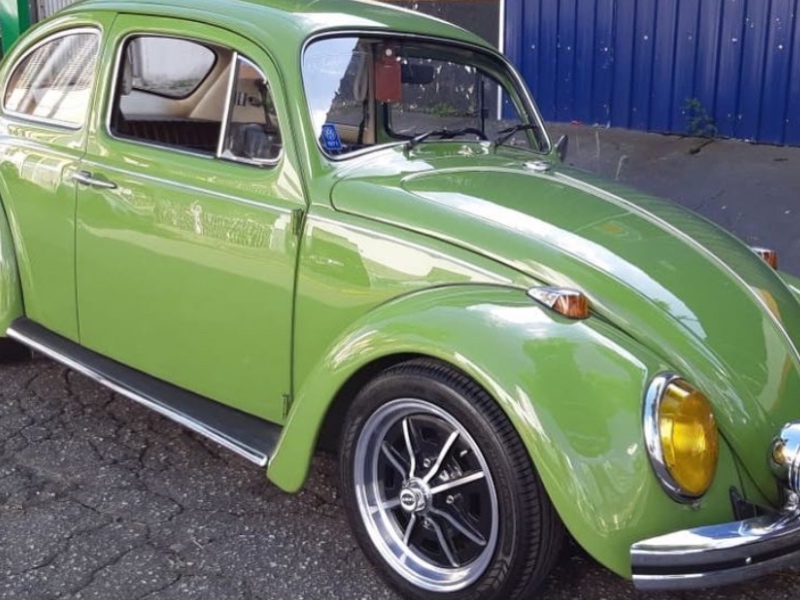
(15, 17)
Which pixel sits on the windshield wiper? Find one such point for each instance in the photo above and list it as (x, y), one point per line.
(508, 133)
(445, 134)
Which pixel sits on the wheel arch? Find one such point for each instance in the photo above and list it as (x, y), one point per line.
(11, 299)
(331, 427)
(571, 389)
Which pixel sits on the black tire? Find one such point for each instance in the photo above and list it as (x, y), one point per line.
(12, 351)
(529, 535)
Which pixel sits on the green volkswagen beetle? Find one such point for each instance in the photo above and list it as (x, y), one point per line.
(292, 223)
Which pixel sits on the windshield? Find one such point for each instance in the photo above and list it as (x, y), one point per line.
(368, 91)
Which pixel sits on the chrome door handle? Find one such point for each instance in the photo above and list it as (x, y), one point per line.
(86, 178)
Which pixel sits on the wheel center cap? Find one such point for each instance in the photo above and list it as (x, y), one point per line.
(414, 496)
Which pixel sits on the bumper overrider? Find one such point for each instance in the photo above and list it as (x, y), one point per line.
(730, 552)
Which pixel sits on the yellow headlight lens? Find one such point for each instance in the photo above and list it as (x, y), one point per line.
(688, 433)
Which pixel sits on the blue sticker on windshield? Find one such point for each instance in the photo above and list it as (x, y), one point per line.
(330, 138)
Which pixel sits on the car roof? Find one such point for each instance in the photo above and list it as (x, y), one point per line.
(289, 22)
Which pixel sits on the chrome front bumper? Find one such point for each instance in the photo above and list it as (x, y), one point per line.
(731, 552)
(718, 554)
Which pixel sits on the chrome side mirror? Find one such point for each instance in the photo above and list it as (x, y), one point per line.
(562, 145)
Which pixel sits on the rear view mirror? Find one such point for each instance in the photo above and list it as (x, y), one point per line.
(417, 74)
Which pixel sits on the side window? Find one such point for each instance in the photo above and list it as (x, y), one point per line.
(54, 81)
(170, 92)
(175, 92)
(252, 133)
(169, 66)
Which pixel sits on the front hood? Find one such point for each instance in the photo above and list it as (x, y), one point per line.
(681, 286)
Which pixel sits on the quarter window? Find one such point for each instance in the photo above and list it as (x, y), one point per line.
(54, 81)
(252, 133)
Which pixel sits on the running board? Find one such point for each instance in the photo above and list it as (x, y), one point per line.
(253, 438)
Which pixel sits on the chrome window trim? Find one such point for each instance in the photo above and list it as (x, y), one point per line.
(96, 31)
(164, 147)
(516, 78)
(652, 437)
(226, 111)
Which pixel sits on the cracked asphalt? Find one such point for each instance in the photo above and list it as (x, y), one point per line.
(102, 499)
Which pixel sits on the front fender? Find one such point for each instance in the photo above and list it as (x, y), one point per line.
(792, 282)
(11, 305)
(572, 389)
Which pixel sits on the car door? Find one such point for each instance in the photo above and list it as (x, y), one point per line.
(186, 218)
(43, 125)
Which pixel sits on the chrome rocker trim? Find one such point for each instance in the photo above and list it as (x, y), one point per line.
(718, 554)
(246, 435)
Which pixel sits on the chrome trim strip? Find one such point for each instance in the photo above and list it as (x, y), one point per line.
(43, 121)
(501, 47)
(547, 295)
(203, 191)
(669, 228)
(499, 279)
(652, 402)
(253, 456)
(112, 91)
(718, 554)
(96, 31)
(226, 111)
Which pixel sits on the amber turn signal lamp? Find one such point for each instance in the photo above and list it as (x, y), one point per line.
(570, 303)
(768, 256)
(688, 435)
(681, 436)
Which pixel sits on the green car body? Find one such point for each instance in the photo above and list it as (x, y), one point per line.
(279, 292)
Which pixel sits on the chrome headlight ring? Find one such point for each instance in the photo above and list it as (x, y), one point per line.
(681, 436)
(652, 437)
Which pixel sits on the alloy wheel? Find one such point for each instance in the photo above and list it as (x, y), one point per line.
(426, 495)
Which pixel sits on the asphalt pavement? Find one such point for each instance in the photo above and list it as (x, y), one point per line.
(102, 499)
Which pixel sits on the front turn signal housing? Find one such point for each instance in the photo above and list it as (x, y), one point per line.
(682, 437)
(768, 255)
(568, 302)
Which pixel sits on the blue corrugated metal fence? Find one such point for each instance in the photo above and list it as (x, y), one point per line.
(685, 66)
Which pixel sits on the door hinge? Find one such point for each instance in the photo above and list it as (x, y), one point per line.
(287, 404)
(298, 216)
